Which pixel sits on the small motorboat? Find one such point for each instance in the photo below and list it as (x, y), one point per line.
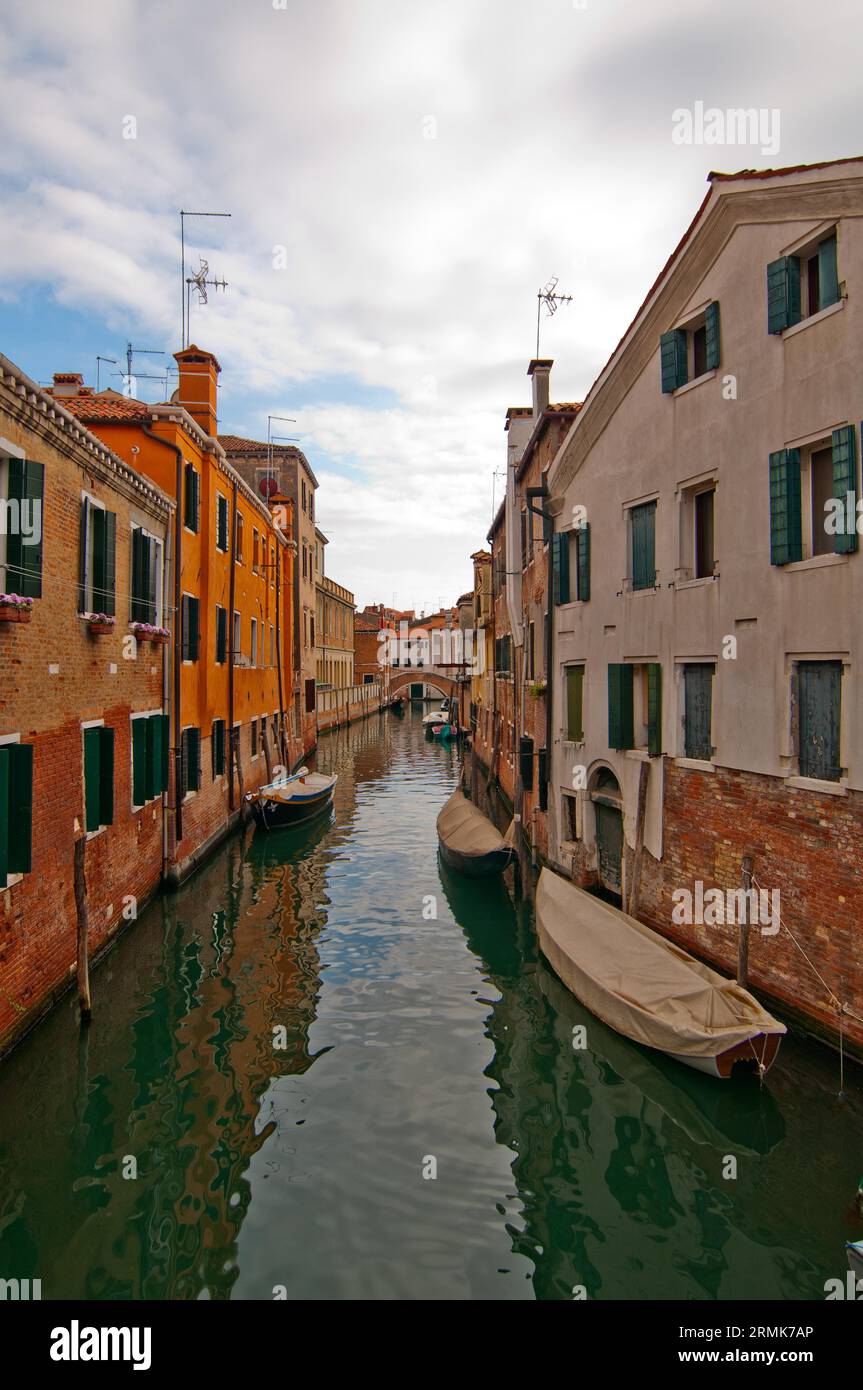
(854, 1251)
(292, 800)
(444, 731)
(437, 716)
(647, 988)
(468, 840)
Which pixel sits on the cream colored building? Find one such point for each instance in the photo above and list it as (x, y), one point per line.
(334, 625)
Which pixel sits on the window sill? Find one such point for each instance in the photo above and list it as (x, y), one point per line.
(815, 784)
(638, 755)
(699, 583)
(696, 381)
(91, 834)
(695, 764)
(815, 562)
(187, 796)
(11, 880)
(813, 318)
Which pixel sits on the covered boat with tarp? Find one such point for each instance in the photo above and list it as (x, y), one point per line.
(646, 987)
(468, 840)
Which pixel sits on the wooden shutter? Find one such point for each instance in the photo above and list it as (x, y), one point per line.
(561, 567)
(139, 762)
(582, 541)
(152, 578)
(108, 597)
(620, 725)
(92, 793)
(542, 778)
(221, 634)
(137, 606)
(20, 808)
(166, 750)
(819, 692)
(4, 813)
(828, 277)
(786, 528)
(194, 759)
(24, 562)
(783, 293)
(221, 521)
(106, 776)
(575, 703)
(154, 755)
(654, 708)
(82, 555)
(697, 710)
(643, 522)
(184, 627)
(711, 323)
(525, 762)
(672, 360)
(845, 486)
(194, 628)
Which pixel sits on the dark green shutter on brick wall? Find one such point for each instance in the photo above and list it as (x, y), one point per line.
(582, 541)
(16, 809)
(845, 487)
(221, 634)
(24, 562)
(697, 710)
(92, 797)
(819, 695)
(82, 555)
(525, 761)
(575, 703)
(154, 783)
(620, 725)
(786, 528)
(139, 762)
(783, 293)
(144, 578)
(643, 521)
(4, 814)
(672, 360)
(561, 567)
(103, 585)
(166, 750)
(221, 522)
(106, 776)
(654, 708)
(711, 323)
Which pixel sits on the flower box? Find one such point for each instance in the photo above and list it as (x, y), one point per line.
(145, 632)
(100, 624)
(15, 609)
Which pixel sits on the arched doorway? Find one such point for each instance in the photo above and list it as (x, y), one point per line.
(607, 802)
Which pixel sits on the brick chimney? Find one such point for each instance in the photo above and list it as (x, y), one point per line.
(198, 388)
(540, 372)
(67, 383)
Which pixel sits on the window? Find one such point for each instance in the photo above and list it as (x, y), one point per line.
(97, 559)
(812, 499)
(801, 285)
(531, 653)
(698, 709)
(150, 755)
(311, 504)
(16, 809)
(312, 631)
(574, 676)
(264, 732)
(571, 565)
(310, 696)
(697, 510)
(303, 484)
(704, 511)
(217, 747)
(237, 648)
(503, 656)
(635, 707)
(272, 645)
(819, 693)
(255, 552)
(253, 737)
(570, 817)
(192, 499)
(305, 562)
(239, 531)
(146, 585)
(221, 522)
(98, 777)
(190, 627)
(190, 759)
(22, 512)
(642, 531)
(690, 352)
(272, 565)
(221, 635)
(523, 538)
(254, 643)
(368, 679)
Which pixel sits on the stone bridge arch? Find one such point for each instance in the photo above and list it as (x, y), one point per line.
(401, 680)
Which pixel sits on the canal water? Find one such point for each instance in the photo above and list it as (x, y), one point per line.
(284, 1051)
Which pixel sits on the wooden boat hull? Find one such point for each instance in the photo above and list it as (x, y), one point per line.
(854, 1251)
(275, 815)
(482, 866)
(759, 1051)
(468, 840)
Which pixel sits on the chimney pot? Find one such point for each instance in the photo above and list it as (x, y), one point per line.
(540, 372)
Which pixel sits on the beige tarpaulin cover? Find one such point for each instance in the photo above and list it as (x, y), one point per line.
(465, 829)
(637, 982)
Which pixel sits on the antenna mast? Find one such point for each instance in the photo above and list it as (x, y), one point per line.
(551, 299)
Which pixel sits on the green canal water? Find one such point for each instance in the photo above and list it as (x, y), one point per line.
(283, 1045)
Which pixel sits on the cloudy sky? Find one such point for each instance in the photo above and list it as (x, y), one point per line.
(402, 177)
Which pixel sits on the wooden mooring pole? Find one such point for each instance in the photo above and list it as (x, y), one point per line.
(83, 927)
(743, 927)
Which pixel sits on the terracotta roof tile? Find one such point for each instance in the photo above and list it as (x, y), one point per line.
(108, 407)
(235, 444)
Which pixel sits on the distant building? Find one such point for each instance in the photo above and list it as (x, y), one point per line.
(334, 629)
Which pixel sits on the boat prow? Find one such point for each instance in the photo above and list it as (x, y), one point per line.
(647, 988)
(468, 840)
(292, 800)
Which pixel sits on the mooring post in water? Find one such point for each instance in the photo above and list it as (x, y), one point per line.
(641, 812)
(743, 927)
(83, 926)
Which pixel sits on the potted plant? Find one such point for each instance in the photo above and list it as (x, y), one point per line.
(536, 688)
(15, 609)
(100, 623)
(146, 632)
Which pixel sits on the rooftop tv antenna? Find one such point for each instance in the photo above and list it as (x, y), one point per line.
(271, 439)
(135, 351)
(184, 331)
(99, 359)
(552, 300)
(200, 282)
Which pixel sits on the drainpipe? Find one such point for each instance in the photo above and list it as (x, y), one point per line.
(231, 601)
(548, 525)
(167, 562)
(285, 758)
(178, 555)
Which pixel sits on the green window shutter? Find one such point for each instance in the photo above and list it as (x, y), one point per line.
(92, 793)
(783, 293)
(4, 814)
(24, 562)
(575, 703)
(106, 776)
(542, 778)
(525, 762)
(221, 634)
(654, 708)
(620, 725)
(135, 597)
(828, 276)
(139, 762)
(166, 750)
(97, 521)
(711, 320)
(153, 782)
(185, 627)
(221, 522)
(786, 527)
(189, 497)
(582, 541)
(152, 578)
(82, 555)
(698, 710)
(643, 521)
(819, 699)
(845, 486)
(194, 628)
(561, 567)
(20, 808)
(108, 597)
(194, 759)
(672, 359)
